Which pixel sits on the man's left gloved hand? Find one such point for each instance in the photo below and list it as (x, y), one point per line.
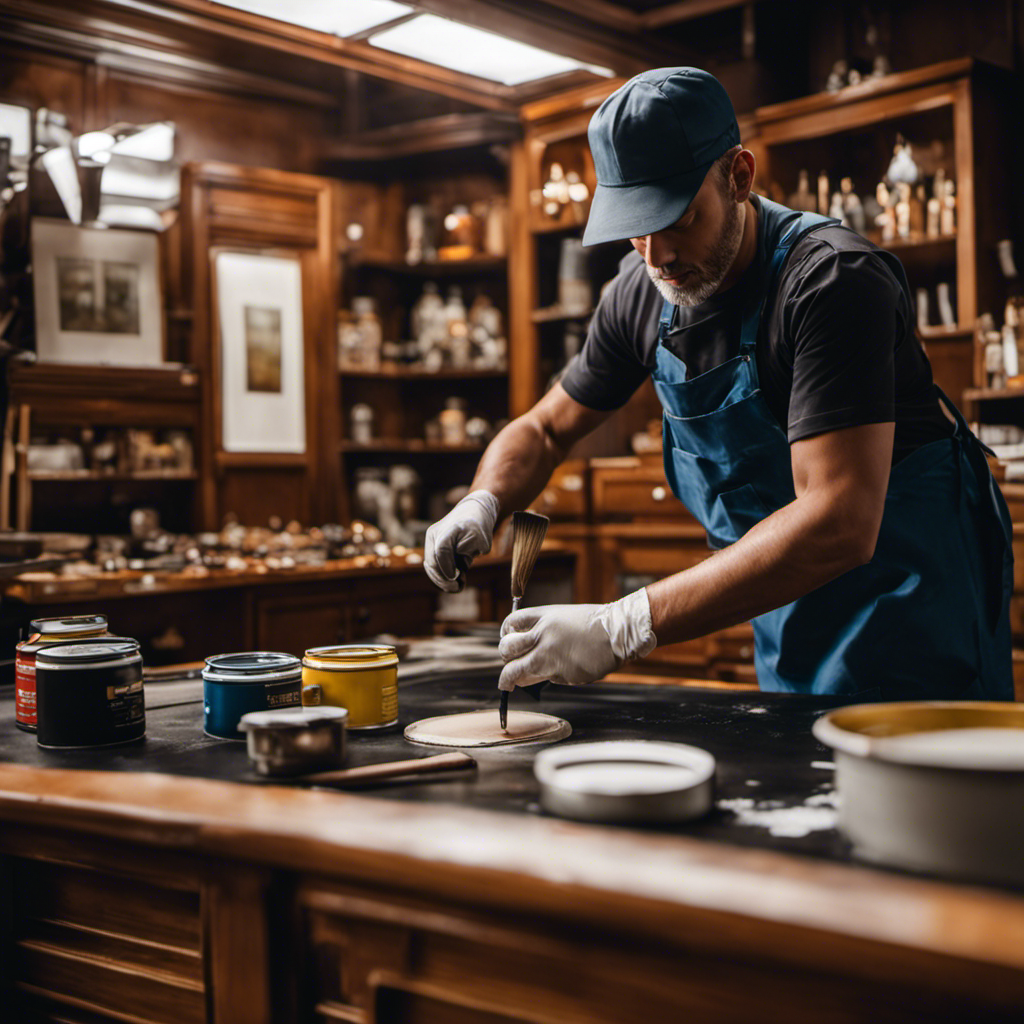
(574, 643)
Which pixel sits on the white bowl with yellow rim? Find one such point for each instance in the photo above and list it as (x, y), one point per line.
(934, 786)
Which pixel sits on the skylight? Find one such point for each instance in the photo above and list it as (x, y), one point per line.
(473, 51)
(339, 17)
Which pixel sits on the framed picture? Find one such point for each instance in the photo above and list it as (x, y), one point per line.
(97, 295)
(257, 309)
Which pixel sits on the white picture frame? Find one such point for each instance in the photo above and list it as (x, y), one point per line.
(98, 295)
(257, 309)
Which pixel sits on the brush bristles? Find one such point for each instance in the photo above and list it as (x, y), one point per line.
(528, 530)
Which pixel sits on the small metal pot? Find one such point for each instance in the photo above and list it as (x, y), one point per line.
(295, 741)
(916, 795)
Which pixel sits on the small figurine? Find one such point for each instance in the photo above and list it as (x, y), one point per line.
(853, 208)
(836, 209)
(837, 76)
(947, 219)
(918, 204)
(803, 199)
(902, 209)
(886, 220)
(823, 193)
(902, 167)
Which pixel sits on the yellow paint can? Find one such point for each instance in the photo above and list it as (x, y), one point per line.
(362, 678)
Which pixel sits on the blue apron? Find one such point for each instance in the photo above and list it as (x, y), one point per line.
(927, 617)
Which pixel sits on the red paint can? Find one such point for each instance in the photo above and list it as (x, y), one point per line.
(68, 629)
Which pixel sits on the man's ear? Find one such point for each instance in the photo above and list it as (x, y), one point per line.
(743, 167)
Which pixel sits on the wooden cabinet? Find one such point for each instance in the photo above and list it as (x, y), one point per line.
(91, 406)
(952, 114)
(145, 897)
(405, 398)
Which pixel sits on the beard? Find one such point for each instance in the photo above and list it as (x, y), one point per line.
(705, 278)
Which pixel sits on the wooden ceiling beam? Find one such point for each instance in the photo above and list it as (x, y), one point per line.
(685, 10)
(426, 135)
(624, 20)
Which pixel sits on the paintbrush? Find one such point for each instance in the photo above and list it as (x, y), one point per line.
(528, 530)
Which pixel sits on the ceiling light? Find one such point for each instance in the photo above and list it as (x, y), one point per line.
(339, 17)
(475, 52)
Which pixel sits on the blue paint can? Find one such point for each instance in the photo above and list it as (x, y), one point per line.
(235, 684)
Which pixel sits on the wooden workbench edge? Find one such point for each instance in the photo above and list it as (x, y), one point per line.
(655, 886)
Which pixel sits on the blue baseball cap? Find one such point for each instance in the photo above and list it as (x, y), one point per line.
(653, 141)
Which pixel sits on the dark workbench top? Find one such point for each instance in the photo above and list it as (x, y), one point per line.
(762, 742)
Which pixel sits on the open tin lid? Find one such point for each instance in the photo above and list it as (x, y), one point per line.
(292, 718)
(626, 780)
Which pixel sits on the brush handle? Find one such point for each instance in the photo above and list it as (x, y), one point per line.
(411, 770)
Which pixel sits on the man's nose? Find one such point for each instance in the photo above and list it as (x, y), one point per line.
(659, 251)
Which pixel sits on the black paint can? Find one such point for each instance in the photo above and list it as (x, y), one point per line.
(90, 695)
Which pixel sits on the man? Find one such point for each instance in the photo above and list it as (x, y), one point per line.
(857, 523)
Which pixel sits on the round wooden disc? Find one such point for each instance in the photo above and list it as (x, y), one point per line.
(482, 729)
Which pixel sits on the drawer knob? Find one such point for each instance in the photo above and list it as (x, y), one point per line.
(659, 493)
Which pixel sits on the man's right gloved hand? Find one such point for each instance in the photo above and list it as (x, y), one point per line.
(466, 531)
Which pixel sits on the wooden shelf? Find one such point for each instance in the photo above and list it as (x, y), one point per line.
(939, 332)
(482, 264)
(394, 372)
(992, 394)
(944, 245)
(62, 381)
(408, 446)
(94, 475)
(553, 314)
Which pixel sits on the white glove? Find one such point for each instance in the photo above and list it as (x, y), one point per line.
(467, 531)
(574, 643)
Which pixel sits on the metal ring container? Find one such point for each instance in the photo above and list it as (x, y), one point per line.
(45, 632)
(235, 684)
(932, 786)
(360, 677)
(626, 781)
(295, 741)
(90, 694)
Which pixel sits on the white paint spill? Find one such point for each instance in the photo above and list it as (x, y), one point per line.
(825, 766)
(816, 814)
(754, 709)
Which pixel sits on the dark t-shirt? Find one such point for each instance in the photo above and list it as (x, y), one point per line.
(838, 348)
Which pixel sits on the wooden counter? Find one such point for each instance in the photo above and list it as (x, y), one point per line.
(183, 617)
(145, 897)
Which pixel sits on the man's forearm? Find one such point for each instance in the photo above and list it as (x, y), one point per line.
(800, 547)
(518, 464)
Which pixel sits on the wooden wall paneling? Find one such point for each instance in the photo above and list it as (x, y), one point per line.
(234, 208)
(41, 79)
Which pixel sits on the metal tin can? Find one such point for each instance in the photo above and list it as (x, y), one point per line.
(295, 741)
(44, 632)
(363, 678)
(90, 694)
(235, 684)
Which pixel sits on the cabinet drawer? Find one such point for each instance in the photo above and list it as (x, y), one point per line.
(629, 489)
(567, 494)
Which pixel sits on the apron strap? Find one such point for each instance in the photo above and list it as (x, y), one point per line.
(801, 226)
